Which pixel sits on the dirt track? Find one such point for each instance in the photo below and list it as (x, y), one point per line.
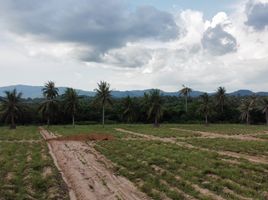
(87, 173)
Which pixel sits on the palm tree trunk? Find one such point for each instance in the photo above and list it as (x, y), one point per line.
(266, 117)
(206, 118)
(248, 118)
(73, 120)
(186, 102)
(103, 113)
(13, 125)
(48, 122)
(155, 122)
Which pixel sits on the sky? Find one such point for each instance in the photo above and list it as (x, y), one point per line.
(137, 44)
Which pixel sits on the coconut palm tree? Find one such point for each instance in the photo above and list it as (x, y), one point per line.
(48, 107)
(246, 107)
(11, 107)
(71, 102)
(50, 91)
(185, 91)
(221, 97)
(155, 104)
(264, 108)
(205, 107)
(129, 111)
(103, 96)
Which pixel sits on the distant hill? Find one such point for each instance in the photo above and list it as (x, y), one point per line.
(36, 92)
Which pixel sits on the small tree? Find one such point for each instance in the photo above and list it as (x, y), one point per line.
(129, 109)
(246, 107)
(264, 108)
(48, 107)
(205, 107)
(104, 97)
(185, 91)
(71, 102)
(220, 97)
(11, 107)
(155, 104)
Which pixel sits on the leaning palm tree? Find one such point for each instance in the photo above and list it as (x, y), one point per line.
(221, 97)
(246, 107)
(185, 91)
(103, 96)
(264, 108)
(48, 107)
(129, 109)
(11, 107)
(155, 104)
(71, 102)
(205, 107)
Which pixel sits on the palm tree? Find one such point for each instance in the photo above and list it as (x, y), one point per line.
(11, 107)
(155, 103)
(185, 91)
(220, 97)
(246, 107)
(50, 91)
(48, 106)
(71, 102)
(264, 108)
(205, 107)
(129, 111)
(103, 96)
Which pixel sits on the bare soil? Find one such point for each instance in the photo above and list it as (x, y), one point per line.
(86, 172)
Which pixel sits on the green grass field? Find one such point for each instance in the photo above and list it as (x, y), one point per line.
(26, 169)
(160, 169)
(228, 129)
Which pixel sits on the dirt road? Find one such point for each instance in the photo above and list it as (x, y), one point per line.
(87, 173)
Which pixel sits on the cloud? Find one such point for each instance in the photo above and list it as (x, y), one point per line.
(143, 47)
(127, 57)
(219, 42)
(257, 14)
(98, 25)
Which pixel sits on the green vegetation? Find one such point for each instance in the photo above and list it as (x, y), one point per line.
(152, 108)
(155, 104)
(160, 169)
(71, 102)
(11, 107)
(185, 91)
(226, 129)
(50, 105)
(166, 169)
(87, 129)
(27, 171)
(234, 145)
(21, 133)
(103, 97)
(163, 131)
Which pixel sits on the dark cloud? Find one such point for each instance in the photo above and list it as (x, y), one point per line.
(98, 24)
(218, 42)
(257, 15)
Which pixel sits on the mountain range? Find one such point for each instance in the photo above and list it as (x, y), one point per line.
(36, 92)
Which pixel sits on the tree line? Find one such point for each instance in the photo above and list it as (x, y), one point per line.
(153, 108)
